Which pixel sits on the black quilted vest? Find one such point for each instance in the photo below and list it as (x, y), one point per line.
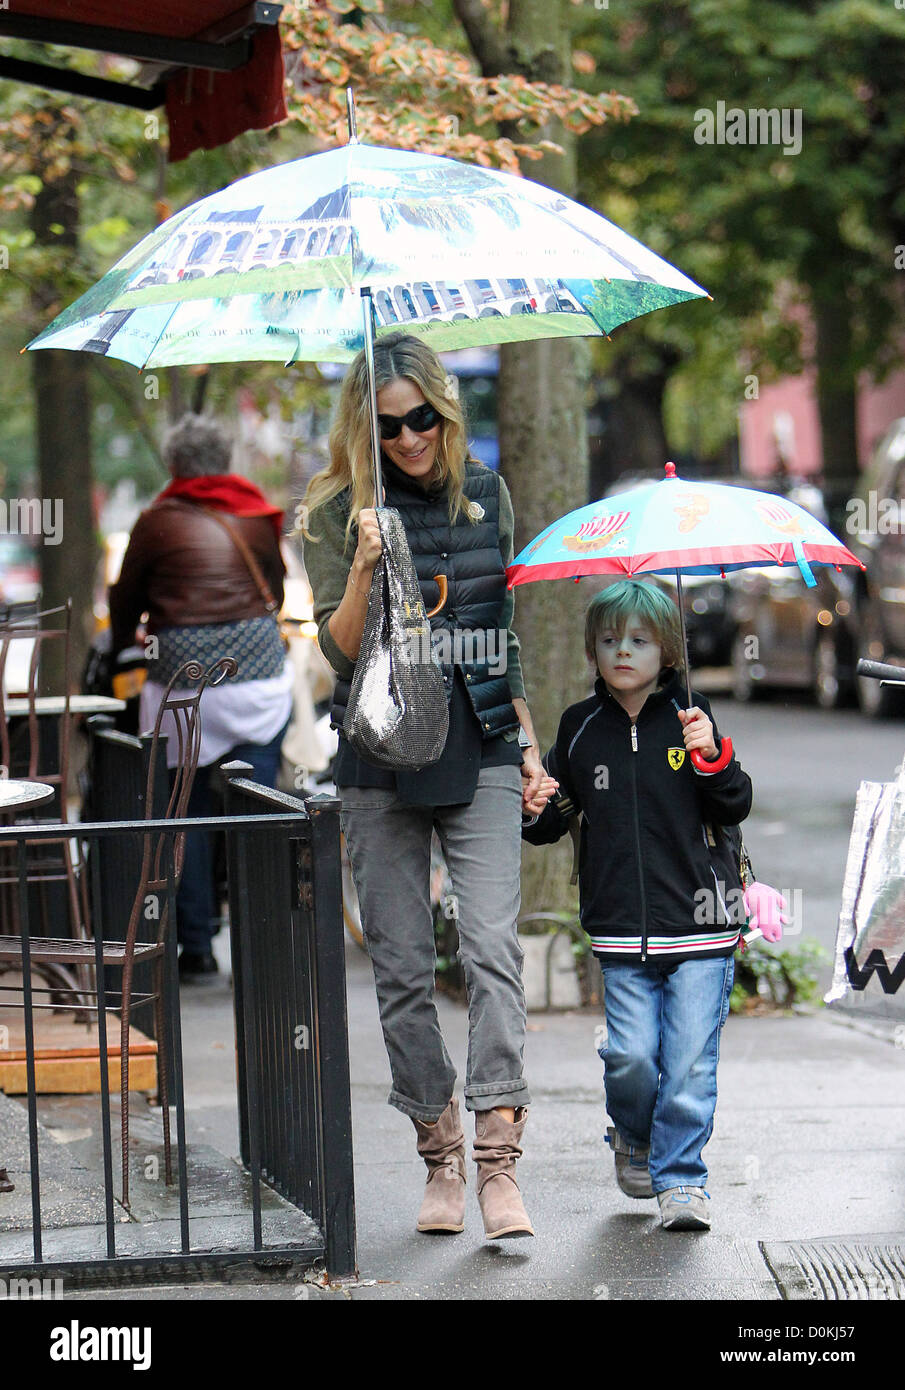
(469, 555)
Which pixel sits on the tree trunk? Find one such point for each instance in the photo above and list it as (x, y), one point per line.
(544, 459)
(63, 416)
(543, 453)
(837, 396)
(634, 439)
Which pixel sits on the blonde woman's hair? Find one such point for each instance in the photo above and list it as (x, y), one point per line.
(396, 356)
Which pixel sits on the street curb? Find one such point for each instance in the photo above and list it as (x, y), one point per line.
(887, 1033)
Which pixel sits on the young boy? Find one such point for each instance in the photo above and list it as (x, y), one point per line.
(654, 880)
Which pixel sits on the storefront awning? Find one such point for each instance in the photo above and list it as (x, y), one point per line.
(217, 68)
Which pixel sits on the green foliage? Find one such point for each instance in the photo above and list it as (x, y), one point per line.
(756, 227)
(782, 976)
(121, 174)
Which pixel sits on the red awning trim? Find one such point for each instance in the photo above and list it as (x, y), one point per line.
(205, 109)
(209, 109)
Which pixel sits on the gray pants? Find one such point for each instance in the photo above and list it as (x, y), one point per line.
(389, 849)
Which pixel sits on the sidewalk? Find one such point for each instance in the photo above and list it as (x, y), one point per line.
(808, 1147)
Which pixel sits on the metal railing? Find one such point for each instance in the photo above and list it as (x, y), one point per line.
(290, 996)
(293, 1095)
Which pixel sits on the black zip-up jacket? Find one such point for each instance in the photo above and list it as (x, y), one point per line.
(656, 884)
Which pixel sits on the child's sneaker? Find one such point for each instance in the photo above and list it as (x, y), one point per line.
(632, 1172)
(684, 1209)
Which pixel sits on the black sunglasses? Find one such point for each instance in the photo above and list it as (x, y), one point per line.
(421, 419)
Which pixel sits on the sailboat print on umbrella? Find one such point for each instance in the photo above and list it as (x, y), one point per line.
(597, 533)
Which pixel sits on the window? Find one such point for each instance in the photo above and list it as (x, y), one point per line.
(201, 249)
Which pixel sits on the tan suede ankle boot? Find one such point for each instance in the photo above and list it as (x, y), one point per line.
(442, 1146)
(496, 1148)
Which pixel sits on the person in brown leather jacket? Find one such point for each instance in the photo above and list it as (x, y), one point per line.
(204, 565)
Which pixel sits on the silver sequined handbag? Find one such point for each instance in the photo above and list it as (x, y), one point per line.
(397, 715)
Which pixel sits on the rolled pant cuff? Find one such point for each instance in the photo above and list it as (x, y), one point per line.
(416, 1110)
(509, 1093)
(668, 1184)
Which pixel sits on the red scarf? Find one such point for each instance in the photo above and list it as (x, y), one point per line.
(227, 492)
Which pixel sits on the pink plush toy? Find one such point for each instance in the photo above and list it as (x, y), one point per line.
(767, 910)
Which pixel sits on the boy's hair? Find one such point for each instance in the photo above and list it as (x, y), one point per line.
(616, 606)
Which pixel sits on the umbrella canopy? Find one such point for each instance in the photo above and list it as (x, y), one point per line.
(272, 267)
(677, 527)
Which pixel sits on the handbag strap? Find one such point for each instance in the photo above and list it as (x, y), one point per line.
(254, 569)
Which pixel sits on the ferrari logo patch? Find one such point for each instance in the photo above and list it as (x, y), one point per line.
(675, 757)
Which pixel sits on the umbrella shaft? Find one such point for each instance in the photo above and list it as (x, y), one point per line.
(368, 316)
(681, 602)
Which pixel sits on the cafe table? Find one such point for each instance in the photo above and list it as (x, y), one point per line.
(49, 705)
(15, 795)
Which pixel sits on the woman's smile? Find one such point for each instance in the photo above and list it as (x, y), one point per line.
(412, 451)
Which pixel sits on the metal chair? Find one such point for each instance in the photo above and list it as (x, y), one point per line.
(161, 869)
(35, 746)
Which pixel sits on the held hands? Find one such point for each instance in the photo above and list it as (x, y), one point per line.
(532, 775)
(766, 908)
(533, 805)
(697, 731)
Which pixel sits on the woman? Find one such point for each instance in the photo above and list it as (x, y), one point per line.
(458, 520)
(204, 563)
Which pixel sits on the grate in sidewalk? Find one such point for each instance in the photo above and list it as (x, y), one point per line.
(838, 1269)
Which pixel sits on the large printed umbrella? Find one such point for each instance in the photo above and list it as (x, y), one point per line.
(676, 527)
(310, 260)
(272, 267)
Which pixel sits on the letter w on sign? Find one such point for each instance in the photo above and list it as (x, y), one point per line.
(859, 976)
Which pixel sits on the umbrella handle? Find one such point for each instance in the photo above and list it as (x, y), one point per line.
(442, 584)
(700, 762)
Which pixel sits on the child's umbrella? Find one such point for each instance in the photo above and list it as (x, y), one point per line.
(677, 527)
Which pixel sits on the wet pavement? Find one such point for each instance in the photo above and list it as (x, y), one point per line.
(807, 1161)
(808, 1147)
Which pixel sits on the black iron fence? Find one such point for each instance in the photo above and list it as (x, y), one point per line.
(290, 995)
(293, 1095)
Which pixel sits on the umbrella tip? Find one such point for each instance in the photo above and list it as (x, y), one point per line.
(670, 470)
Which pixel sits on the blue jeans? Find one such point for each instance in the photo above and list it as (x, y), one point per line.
(660, 1058)
(197, 918)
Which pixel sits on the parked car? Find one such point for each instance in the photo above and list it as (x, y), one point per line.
(790, 637)
(709, 622)
(876, 521)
